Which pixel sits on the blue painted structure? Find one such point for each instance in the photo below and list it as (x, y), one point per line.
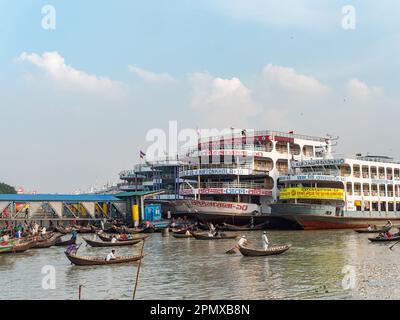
(152, 212)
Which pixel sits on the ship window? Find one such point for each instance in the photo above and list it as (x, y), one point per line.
(345, 170)
(374, 174)
(294, 149)
(365, 172)
(382, 191)
(357, 189)
(356, 171)
(390, 191)
(281, 147)
(375, 206)
(381, 173)
(374, 190)
(366, 190)
(308, 151)
(397, 174)
(282, 166)
(389, 173)
(349, 188)
(383, 206)
(269, 146)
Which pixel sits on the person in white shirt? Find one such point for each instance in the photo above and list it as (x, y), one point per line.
(369, 228)
(113, 239)
(265, 241)
(111, 256)
(43, 230)
(242, 241)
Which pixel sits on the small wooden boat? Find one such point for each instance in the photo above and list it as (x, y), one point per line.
(96, 261)
(380, 239)
(127, 230)
(370, 231)
(46, 243)
(107, 238)
(205, 236)
(64, 230)
(18, 246)
(60, 243)
(84, 229)
(182, 235)
(247, 227)
(93, 243)
(248, 252)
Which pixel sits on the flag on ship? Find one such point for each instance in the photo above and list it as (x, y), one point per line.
(142, 154)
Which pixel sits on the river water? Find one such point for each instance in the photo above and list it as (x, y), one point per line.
(320, 265)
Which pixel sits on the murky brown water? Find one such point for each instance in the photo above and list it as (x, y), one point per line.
(194, 269)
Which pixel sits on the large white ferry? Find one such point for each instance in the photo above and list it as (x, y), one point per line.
(234, 177)
(340, 193)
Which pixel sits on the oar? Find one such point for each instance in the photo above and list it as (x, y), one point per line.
(391, 247)
(233, 250)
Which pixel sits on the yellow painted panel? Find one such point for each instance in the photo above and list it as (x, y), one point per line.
(312, 193)
(135, 212)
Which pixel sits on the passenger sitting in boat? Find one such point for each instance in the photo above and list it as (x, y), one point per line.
(369, 228)
(187, 232)
(74, 234)
(43, 230)
(242, 241)
(388, 235)
(212, 229)
(265, 241)
(111, 256)
(113, 239)
(123, 236)
(388, 225)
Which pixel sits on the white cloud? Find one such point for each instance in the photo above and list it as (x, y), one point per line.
(150, 76)
(289, 80)
(67, 77)
(361, 91)
(222, 102)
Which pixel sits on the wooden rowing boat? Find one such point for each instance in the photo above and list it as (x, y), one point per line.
(380, 239)
(64, 230)
(127, 230)
(380, 230)
(93, 243)
(96, 261)
(248, 252)
(17, 247)
(205, 236)
(46, 243)
(60, 243)
(182, 235)
(107, 238)
(247, 227)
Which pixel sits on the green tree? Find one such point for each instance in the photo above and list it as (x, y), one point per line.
(5, 188)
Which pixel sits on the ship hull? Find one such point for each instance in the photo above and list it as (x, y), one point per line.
(328, 217)
(235, 213)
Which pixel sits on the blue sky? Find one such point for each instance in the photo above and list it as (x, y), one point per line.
(115, 70)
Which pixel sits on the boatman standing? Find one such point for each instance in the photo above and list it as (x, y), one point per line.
(265, 241)
(242, 241)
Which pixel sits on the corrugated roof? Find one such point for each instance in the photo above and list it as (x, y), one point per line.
(59, 197)
(137, 193)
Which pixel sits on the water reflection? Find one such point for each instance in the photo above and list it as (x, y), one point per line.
(193, 269)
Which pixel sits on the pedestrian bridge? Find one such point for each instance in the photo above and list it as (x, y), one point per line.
(60, 207)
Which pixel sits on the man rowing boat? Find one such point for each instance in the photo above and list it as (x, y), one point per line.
(265, 241)
(111, 256)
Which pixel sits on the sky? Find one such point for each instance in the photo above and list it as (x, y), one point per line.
(78, 101)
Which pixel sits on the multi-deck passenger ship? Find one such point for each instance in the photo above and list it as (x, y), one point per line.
(340, 193)
(234, 177)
